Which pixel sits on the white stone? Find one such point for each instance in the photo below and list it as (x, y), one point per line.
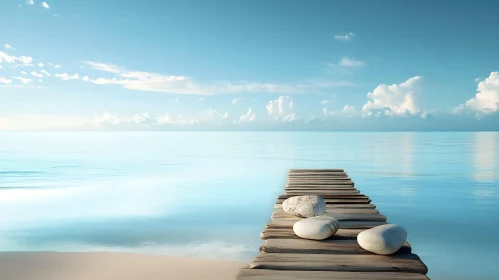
(316, 228)
(304, 206)
(383, 240)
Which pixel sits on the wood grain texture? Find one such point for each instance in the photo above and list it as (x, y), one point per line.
(301, 170)
(339, 205)
(288, 223)
(287, 233)
(269, 274)
(319, 183)
(280, 213)
(339, 200)
(285, 256)
(331, 196)
(340, 217)
(331, 245)
(340, 262)
(324, 193)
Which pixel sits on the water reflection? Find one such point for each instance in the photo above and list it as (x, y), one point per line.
(484, 166)
(485, 156)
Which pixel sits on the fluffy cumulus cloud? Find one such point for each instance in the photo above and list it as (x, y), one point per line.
(346, 37)
(5, 80)
(143, 119)
(248, 117)
(156, 82)
(213, 115)
(16, 61)
(30, 2)
(396, 99)
(45, 5)
(486, 100)
(23, 80)
(107, 118)
(281, 108)
(9, 47)
(38, 75)
(236, 100)
(67, 77)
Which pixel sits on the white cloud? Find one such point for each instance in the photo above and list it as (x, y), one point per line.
(289, 118)
(143, 119)
(47, 74)
(168, 119)
(347, 37)
(40, 64)
(104, 67)
(486, 99)
(351, 62)
(9, 47)
(477, 80)
(107, 118)
(23, 80)
(45, 5)
(236, 100)
(30, 2)
(348, 109)
(145, 81)
(396, 99)
(24, 73)
(33, 73)
(86, 79)
(5, 80)
(214, 115)
(280, 106)
(248, 117)
(22, 60)
(67, 77)
(55, 65)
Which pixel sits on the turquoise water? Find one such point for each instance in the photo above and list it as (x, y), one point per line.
(210, 194)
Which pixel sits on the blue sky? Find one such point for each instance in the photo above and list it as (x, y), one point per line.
(205, 65)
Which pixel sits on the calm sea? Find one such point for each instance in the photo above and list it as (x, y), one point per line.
(210, 194)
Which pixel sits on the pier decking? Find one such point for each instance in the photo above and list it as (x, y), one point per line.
(285, 256)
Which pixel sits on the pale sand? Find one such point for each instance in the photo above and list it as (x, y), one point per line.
(110, 266)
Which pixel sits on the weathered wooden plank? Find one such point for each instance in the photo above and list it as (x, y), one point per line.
(316, 178)
(327, 246)
(330, 196)
(279, 213)
(323, 187)
(339, 201)
(338, 205)
(321, 183)
(323, 191)
(340, 262)
(296, 170)
(287, 233)
(270, 274)
(288, 223)
(340, 217)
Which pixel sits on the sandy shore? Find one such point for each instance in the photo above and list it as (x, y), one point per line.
(110, 266)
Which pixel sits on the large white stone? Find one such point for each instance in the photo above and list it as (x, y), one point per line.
(316, 228)
(304, 206)
(384, 240)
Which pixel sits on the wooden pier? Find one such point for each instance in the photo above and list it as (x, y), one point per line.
(285, 256)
